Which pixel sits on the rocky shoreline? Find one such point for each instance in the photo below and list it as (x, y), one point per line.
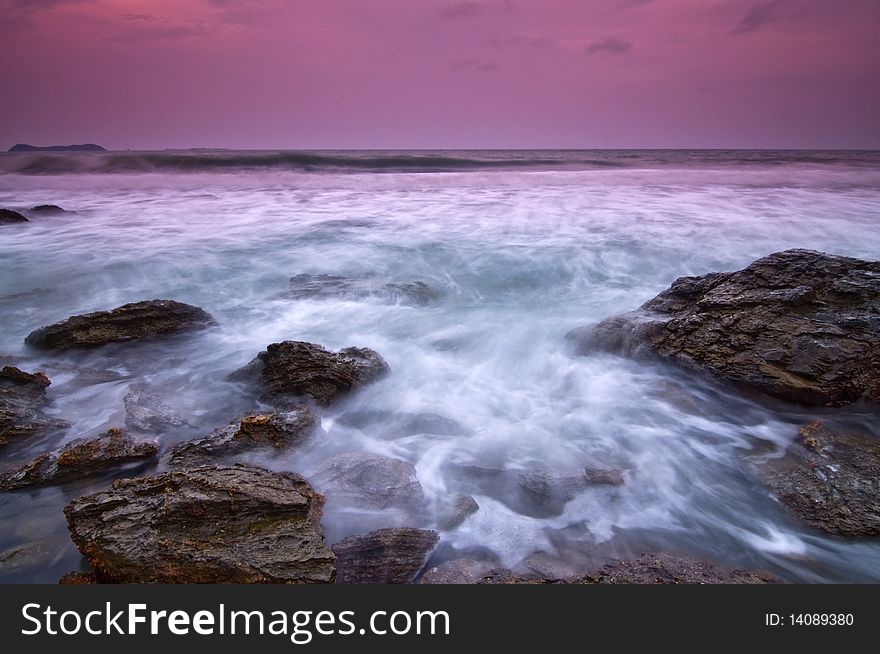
(799, 326)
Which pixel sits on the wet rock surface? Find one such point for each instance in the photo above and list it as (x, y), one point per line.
(130, 322)
(386, 556)
(276, 431)
(798, 325)
(831, 480)
(389, 424)
(322, 286)
(458, 509)
(22, 397)
(80, 458)
(210, 524)
(10, 217)
(296, 369)
(369, 481)
(148, 412)
(459, 571)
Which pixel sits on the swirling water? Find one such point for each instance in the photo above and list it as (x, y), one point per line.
(521, 254)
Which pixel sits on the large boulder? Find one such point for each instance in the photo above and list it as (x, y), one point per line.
(276, 431)
(80, 458)
(22, 396)
(831, 480)
(295, 369)
(322, 286)
(129, 322)
(369, 481)
(227, 524)
(798, 325)
(10, 217)
(145, 411)
(386, 556)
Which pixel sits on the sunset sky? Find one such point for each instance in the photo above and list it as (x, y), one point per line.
(441, 73)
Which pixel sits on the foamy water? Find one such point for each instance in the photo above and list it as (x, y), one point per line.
(520, 258)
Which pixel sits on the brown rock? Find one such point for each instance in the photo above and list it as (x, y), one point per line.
(386, 556)
(22, 396)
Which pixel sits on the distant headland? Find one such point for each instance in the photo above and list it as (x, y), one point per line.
(85, 147)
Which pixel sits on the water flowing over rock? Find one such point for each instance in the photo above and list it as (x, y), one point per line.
(386, 556)
(831, 480)
(455, 511)
(22, 396)
(296, 369)
(224, 524)
(389, 424)
(10, 217)
(277, 431)
(49, 210)
(130, 322)
(799, 325)
(307, 286)
(147, 412)
(80, 458)
(369, 481)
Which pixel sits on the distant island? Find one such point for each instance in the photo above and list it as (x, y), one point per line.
(85, 147)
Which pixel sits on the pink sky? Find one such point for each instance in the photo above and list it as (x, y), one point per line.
(441, 73)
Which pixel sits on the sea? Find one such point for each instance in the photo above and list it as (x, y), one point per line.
(520, 246)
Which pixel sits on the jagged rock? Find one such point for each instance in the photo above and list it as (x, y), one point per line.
(9, 217)
(306, 286)
(400, 425)
(296, 369)
(276, 431)
(22, 396)
(798, 325)
(656, 568)
(456, 511)
(80, 458)
(129, 322)
(224, 524)
(146, 411)
(369, 481)
(386, 556)
(831, 480)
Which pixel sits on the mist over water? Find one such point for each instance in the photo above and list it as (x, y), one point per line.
(520, 255)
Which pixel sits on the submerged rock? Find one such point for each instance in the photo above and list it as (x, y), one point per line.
(656, 568)
(400, 425)
(831, 480)
(225, 524)
(307, 286)
(386, 556)
(9, 217)
(456, 511)
(277, 431)
(146, 411)
(459, 571)
(369, 481)
(296, 369)
(129, 322)
(798, 325)
(48, 210)
(22, 396)
(80, 458)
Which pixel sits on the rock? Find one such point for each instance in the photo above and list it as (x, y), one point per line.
(76, 578)
(129, 322)
(33, 555)
(85, 147)
(603, 477)
(400, 425)
(277, 431)
(146, 411)
(306, 286)
(294, 369)
(459, 571)
(8, 217)
(80, 458)
(798, 325)
(831, 480)
(224, 524)
(386, 556)
(659, 568)
(48, 210)
(22, 396)
(369, 481)
(459, 509)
